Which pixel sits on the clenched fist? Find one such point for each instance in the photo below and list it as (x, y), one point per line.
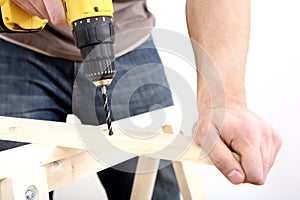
(226, 130)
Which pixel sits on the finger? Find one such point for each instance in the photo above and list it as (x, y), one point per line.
(222, 157)
(270, 150)
(56, 12)
(267, 153)
(224, 160)
(266, 157)
(251, 160)
(277, 143)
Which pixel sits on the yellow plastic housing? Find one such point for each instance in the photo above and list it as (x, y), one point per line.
(18, 20)
(82, 9)
(2, 2)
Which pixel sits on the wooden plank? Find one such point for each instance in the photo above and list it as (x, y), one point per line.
(144, 178)
(67, 170)
(63, 165)
(39, 132)
(163, 146)
(5, 189)
(32, 154)
(74, 168)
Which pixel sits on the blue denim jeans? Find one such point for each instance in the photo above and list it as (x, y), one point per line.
(36, 86)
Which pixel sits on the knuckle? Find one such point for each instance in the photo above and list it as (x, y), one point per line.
(221, 165)
(256, 179)
(277, 137)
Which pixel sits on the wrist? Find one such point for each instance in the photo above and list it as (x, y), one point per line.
(221, 97)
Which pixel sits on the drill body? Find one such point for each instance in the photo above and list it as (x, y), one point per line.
(93, 32)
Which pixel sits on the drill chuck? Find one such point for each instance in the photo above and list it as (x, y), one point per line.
(95, 38)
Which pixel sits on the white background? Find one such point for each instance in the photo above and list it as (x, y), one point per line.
(272, 84)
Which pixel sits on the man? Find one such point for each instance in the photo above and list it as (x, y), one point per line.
(43, 76)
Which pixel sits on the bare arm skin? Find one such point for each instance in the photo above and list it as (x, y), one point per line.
(46, 9)
(221, 28)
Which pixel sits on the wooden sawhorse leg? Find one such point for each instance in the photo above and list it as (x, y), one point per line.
(187, 175)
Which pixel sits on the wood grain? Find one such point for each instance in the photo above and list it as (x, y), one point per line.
(163, 146)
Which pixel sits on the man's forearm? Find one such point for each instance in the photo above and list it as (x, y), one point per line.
(221, 28)
(225, 125)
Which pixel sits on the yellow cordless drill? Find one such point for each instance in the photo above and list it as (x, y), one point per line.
(93, 32)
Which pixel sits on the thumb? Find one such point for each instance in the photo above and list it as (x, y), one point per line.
(224, 160)
(221, 156)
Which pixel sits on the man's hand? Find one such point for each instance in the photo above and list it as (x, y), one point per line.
(45, 9)
(238, 130)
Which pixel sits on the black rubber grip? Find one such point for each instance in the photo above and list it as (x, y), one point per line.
(95, 38)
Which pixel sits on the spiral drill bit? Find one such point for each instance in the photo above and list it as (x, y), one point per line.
(106, 109)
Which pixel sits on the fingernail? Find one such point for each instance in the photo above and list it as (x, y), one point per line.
(235, 177)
